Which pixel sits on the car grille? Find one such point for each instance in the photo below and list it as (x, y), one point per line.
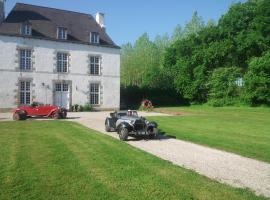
(139, 125)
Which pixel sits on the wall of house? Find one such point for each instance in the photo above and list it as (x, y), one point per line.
(43, 76)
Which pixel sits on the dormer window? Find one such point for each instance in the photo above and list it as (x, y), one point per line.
(61, 33)
(94, 38)
(26, 29)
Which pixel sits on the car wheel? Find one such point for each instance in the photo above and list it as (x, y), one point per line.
(107, 126)
(56, 115)
(16, 116)
(123, 134)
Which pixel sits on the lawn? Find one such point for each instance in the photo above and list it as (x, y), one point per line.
(245, 131)
(64, 160)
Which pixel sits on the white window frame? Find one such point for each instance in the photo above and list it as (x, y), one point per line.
(26, 29)
(61, 33)
(95, 65)
(94, 38)
(61, 87)
(94, 94)
(25, 92)
(25, 59)
(62, 62)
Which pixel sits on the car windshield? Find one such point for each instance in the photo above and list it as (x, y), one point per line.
(121, 114)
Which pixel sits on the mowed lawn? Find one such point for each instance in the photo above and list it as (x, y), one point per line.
(64, 160)
(245, 131)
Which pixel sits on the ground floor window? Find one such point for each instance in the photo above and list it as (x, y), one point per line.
(25, 92)
(94, 93)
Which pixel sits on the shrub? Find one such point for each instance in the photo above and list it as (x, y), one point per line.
(223, 88)
(75, 108)
(257, 81)
(78, 108)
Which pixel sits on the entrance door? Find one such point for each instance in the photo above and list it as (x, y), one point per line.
(62, 95)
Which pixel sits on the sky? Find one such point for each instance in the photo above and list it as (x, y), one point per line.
(126, 20)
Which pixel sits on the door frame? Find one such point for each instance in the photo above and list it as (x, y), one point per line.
(69, 82)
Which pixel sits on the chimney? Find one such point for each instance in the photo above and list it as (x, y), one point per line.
(2, 10)
(100, 20)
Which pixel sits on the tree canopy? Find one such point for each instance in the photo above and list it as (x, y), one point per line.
(201, 60)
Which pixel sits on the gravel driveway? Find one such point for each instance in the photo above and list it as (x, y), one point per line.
(224, 167)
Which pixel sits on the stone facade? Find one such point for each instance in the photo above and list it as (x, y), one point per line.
(43, 75)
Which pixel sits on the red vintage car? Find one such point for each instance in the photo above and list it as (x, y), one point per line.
(39, 110)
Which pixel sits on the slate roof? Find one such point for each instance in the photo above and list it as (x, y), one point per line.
(45, 22)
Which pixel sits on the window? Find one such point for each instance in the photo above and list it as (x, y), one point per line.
(25, 59)
(62, 33)
(61, 87)
(25, 92)
(62, 62)
(94, 93)
(94, 38)
(26, 29)
(95, 65)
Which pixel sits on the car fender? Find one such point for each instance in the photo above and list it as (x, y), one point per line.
(20, 111)
(52, 111)
(124, 125)
(152, 125)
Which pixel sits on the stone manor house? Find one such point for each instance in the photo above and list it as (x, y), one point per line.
(57, 57)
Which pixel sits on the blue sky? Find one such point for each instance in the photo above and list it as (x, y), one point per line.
(126, 20)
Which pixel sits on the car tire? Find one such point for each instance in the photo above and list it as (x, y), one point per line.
(107, 125)
(19, 115)
(123, 134)
(16, 116)
(56, 115)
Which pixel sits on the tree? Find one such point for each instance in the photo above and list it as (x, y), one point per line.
(177, 33)
(257, 80)
(194, 25)
(223, 86)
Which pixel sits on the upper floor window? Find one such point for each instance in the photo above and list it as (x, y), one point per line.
(95, 65)
(94, 38)
(62, 62)
(25, 59)
(62, 33)
(26, 29)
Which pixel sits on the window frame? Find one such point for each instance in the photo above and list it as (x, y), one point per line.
(62, 33)
(25, 61)
(25, 92)
(96, 95)
(94, 38)
(95, 67)
(62, 64)
(26, 29)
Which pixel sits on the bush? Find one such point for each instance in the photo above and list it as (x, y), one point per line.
(223, 88)
(257, 81)
(78, 108)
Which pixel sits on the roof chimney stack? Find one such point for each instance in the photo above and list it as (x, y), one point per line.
(100, 20)
(2, 10)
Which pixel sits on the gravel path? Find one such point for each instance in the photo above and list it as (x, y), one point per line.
(224, 167)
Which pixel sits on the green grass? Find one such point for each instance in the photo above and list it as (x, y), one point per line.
(242, 130)
(63, 160)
